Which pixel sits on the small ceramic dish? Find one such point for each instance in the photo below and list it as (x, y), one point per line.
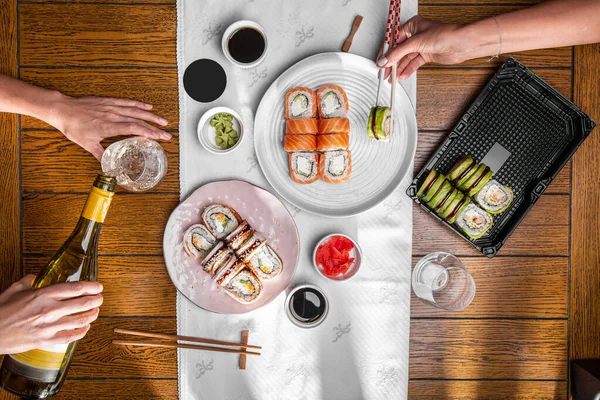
(356, 253)
(231, 30)
(207, 134)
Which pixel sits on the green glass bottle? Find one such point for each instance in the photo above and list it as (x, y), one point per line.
(39, 373)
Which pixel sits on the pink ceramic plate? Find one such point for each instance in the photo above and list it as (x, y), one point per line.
(262, 210)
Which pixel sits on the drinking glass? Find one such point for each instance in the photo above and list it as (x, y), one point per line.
(138, 163)
(442, 280)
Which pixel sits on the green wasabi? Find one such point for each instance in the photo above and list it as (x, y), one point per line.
(225, 136)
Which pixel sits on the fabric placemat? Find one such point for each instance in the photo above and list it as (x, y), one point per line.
(361, 350)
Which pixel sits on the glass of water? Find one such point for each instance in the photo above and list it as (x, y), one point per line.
(442, 280)
(138, 163)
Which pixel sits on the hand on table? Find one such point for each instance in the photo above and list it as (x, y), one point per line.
(423, 41)
(88, 120)
(32, 318)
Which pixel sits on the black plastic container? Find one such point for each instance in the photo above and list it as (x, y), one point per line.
(538, 126)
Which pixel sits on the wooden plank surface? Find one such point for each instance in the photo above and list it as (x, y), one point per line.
(10, 213)
(133, 286)
(156, 86)
(510, 287)
(486, 390)
(488, 349)
(117, 389)
(134, 225)
(97, 357)
(94, 34)
(585, 241)
(48, 158)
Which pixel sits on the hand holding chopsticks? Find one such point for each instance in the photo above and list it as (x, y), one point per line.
(175, 339)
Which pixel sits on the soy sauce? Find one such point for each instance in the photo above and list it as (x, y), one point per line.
(246, 45)
(307, 305)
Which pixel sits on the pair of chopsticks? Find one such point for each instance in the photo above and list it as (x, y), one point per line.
(174, 343)
(392, 38)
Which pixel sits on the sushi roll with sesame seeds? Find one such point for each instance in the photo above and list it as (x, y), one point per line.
(474, 221)
(494, 197)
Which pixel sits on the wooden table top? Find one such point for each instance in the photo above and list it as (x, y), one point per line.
(537, 302)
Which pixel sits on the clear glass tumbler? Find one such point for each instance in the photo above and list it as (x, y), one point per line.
(442, 280)
(138, 163)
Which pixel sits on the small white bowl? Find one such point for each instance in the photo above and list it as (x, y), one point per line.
(233, 28)
(207, 134)
(353, 268)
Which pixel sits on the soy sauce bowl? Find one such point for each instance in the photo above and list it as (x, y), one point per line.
(207, 134)
(231, 31)
(352, 271)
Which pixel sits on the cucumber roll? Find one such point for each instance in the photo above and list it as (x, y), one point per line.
(494, 197)
(378, 124)
(474, 221)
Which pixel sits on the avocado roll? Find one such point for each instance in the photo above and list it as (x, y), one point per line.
(378, 124)
(220, 220)
(457, 209)
(434, 188)
(474, 221)
(461, 169)
(441, 194)
(494, 197)
(266, 264)
(197, 241)
(244, 287)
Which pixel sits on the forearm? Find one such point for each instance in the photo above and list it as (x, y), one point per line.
(554, 23)
(22, 98)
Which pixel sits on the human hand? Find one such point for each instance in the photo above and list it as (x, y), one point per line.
(59, 314)
(88, 120)
(423, 41)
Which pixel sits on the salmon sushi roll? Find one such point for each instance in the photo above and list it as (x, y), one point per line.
(333, 102)
(335, 166)
(334, 141)
(304, 167)
(334, 125)
(301, 126)
(300, 103)
(299, 143)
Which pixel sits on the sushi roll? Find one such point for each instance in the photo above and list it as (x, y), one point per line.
(251, 246)
(220, 220)
(441, 194)
(456, 209)
(299, 143)
(300, 102)
(301, 126)
(453, 203)
(266, 264)
(333, 102)
(494, 197)
(431, 185)
(335, 166)
(474, 221)
(476, 180)
(215, 256)
(461, 169)
(304, 167)
(379, 123)
(334, 125)
(224, 275)
(244, 287)
(224, 264)
(197, 241)
(240, 235)
(334, 141)
(446, 199)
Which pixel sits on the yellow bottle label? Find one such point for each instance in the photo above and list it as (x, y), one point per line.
(41, 365)
(97, 204)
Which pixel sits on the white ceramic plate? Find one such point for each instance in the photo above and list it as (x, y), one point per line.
(377, 167)
(262, 210)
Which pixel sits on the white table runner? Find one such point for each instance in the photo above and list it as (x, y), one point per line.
(361, 350)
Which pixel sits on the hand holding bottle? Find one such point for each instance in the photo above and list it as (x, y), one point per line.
(59, 314)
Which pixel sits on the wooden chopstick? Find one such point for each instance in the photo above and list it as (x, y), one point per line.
(386, 46)
(243, 356)
(355, 26)
(395, 42)
(174, 345)
(183, 338)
